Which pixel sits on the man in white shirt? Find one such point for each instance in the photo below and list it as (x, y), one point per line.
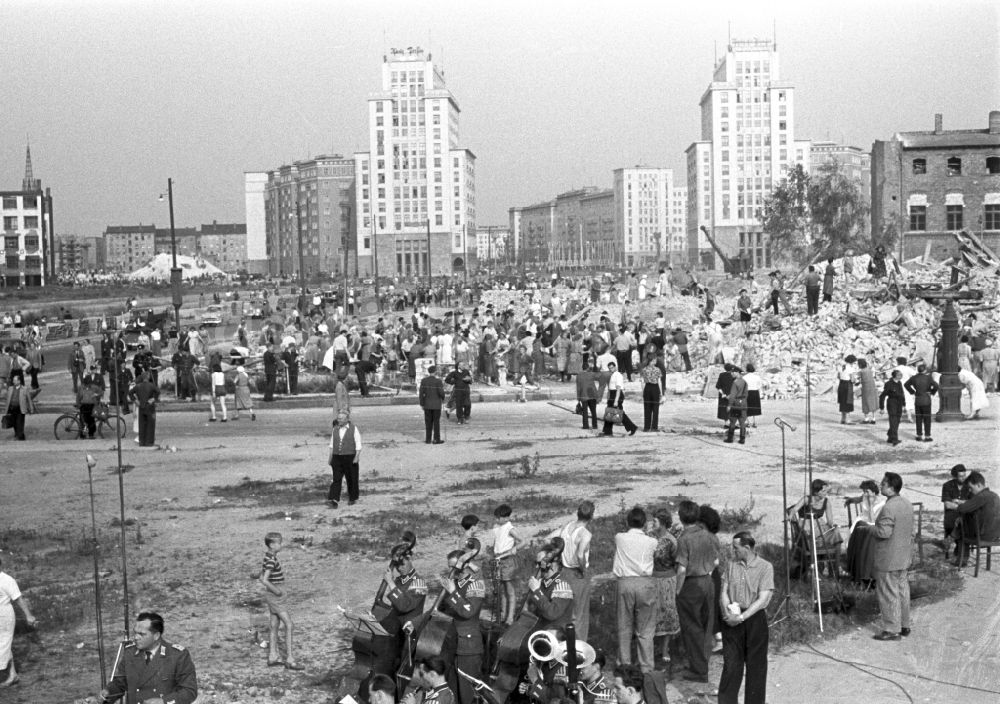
(907, 371)
(604, 362)
(576, 564)
(345, 454)
(637, 598)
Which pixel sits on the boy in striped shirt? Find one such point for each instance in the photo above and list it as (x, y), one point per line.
(273, 580)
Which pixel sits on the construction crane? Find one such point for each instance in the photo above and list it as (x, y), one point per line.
(733, 267)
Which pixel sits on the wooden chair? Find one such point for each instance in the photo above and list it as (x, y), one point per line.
(979, 544)
(918, 538)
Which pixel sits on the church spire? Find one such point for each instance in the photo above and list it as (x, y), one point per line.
(30, 183)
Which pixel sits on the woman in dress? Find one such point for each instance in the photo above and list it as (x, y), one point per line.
(217, 391)
(977, 392)
(665, 575)
(869, 392)
(561, 347)
(10, 596)
(574, 365)
(816, 506)
(845, 387)
(242, 397)
(861, 543)
(724, 384)
(754, 385)
(964, 353)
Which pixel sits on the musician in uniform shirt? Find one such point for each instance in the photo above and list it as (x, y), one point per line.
(596, 688)
(151, 669)
(432, 685)
(402, 601)
(550, 597)
(463, 603)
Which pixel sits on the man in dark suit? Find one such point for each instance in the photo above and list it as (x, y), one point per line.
(586, 395)
(270, 371)
(431, 398)
(893, 555)
(892, 396)
(922, 386)
(145, 395)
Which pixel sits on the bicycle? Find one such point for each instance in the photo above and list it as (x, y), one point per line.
(71, 425)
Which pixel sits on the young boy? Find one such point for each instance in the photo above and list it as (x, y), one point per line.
(273, 580)
(470, 525)
(505, 543)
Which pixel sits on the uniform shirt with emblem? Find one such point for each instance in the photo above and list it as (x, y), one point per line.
(464, 605)
(168, 674)
(552, 602)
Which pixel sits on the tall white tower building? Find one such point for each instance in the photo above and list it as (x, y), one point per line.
(416, 195)
(747, 146)
(642, 213)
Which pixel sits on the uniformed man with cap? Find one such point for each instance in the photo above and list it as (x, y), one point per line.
(151, 670)
(464, 601)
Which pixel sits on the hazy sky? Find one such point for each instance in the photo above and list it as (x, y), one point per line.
(117, 96)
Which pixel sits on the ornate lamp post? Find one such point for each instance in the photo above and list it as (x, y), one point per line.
(176, 276)
(950, 407)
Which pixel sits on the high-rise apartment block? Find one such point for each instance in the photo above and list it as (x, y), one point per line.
(26, 248)
(677, 243)
(415, 209)
(644, 215)
(747, 146)
(310, 202)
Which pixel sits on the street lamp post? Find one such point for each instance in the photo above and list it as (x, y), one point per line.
(175, 271)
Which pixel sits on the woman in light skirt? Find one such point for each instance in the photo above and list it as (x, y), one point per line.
(217, 391)
(243, 400)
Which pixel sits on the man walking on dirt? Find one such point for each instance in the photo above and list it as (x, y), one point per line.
(431, 398)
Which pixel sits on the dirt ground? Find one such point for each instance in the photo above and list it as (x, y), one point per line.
(194, 530)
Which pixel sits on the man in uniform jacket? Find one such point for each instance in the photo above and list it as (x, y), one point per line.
(922, 386)
(893, 555)
(431, 398)
(549, 597)
(463, 603)
(893, 399)
(151, 669)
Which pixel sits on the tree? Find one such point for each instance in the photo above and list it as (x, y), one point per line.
(817, 216)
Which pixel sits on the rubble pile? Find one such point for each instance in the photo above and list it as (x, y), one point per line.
(873, 319)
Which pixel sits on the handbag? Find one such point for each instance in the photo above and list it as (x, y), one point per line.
(613, 414)
(7, 421)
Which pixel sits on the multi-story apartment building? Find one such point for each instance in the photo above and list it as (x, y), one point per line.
(576, 228)
(26, 248)
(415, 209)
(930, 184)
(311, 200)
(224, 245)
(854, 162)
(597, 214)
(79, 254)
(677, 243)
(642, 213)
(129, 247)
(747, 146)
(492, 245)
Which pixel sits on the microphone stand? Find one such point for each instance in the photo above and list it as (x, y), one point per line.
(97, 576)
(784, 523)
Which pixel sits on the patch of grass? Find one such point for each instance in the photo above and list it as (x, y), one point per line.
(300, 490)
(740, 518)
(377, 533)
(511, 444)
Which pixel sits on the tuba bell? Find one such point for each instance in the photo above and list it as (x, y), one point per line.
(544, 646)
(585, 654)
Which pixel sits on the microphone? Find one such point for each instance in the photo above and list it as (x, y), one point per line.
(782, 422)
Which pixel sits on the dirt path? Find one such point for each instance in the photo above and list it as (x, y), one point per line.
(192, 551)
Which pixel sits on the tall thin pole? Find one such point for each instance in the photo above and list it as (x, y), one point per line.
(465, 242)
(97, 574)
(175, 272)
(347, 234)
(121, 496)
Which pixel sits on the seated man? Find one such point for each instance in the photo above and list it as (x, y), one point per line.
(984, 509)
